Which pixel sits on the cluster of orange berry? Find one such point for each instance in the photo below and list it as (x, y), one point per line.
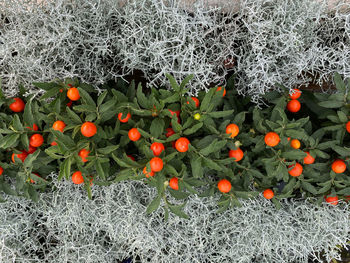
(294, 105)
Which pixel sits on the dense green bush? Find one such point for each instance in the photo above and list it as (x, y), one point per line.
(320, 126)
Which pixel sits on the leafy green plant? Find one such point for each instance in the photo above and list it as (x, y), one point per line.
(116, 130)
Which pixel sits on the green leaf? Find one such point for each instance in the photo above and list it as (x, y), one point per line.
(212, 164)
(99, 169)
(193, 129)
(86, 97)
(331, 104)
(120, 162)
(178, 194)
(309, 187)
(339, 83)
(326, 145)
(25, 141)
(108, 149)
(297, 134)
(206, 100)
(33, 193)
(342, 116)
(101, 97)
(239, 118)
(107, 106)
(321, 154)
(186, 81)
(220, 114)
(173, 83)
(213, 147)
(84, 108)
(246, 195)
(27, 114)
(141, 98)
(46, 85)
(73, 116)
(173, 98)
(153, 205)
(9, 140)
(343, 151)
(294, 154)
(50, 93)
(31, 158)
(17, 124)
(177, 210)
(196, 164)
(157, 127)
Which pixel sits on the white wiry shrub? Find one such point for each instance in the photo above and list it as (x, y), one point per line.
(271, 41)
(65, 226)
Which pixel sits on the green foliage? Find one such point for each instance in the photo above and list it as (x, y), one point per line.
(320, 126)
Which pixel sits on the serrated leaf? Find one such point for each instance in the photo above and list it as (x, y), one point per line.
(178, 194)
(212, 164)
(207, 100)
(50, 93)
(309, 187)
(196, 165)
(73, 116)
(84, 108)
(173, 83)
(31, 158)
(141, 98)
(101, 97)
(108, 149)
(46, 85)
(17, 124)
(296, 134)
(120, 162)
(294, 154)
(9, 140)
(343, 151)
(213, 147)
(86, 97)
(27, 114)
(25, 141)
(177, 210)
(342, 117)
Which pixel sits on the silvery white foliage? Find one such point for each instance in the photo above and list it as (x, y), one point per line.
(271, 41)
(67, 227)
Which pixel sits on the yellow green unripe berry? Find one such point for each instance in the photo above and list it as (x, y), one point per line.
(197, 116)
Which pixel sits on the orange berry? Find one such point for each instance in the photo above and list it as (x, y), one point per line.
(348, 126)
(224, 93)
(126, 119)
(232, 129)
(296, 171)
(77, 178)
(148, 174)
(31, 180)
(309, 159)
(34, 128)
(169, 132)
(73, 94)
(174, 183)
(83, 153)
(156, 164)
(196, 101)
(296, 94)
(268, 194)
(88, 129)
(18, 105)
(69, 104)
(58, 126)
(1, 170)
(293, 106)
(338, 166)
(238, 154)
(295, 143)
(54, 143)
(157, 148)
(36, 140)
(22, 156)
(333, 200)
(224, 186)
(134, 134)
(181, 144)
(272, 139)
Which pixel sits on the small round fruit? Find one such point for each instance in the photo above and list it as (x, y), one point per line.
(219, 89)
(53, 143)
(131, 157)
(156, 164)
(88, 129)
(296, 94)
(197, 116)
(31, 180)
(31, 149)
(22, 156)
(232, 129)
(238, 154)
(58, 126)
(18, 105)
(73, 94)
(272, 139)
(1, 170)
(126, 119)
(338, 166)
(333, 200)
(295, 143)
(174, 183)
(224, 186)
(196, 101)
(169, 132)
(309, 159)
(134, 134)
(77, 178)
(296, 171)
(268, 194)
(147, 174)
(34, 128)
(69, 104)
(181, 144)
(83, 153)
(293, 106)
(157, 148)
(36, 140)
(348, 126)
